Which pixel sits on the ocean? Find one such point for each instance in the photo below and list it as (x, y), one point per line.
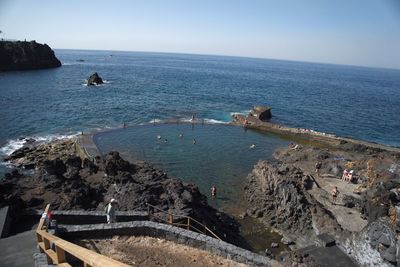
(357, 102)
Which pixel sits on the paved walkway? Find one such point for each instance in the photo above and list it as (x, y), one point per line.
(86, 142)
(18, 250)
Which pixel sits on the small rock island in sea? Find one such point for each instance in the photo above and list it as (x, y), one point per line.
(94, 79)
(23, 55)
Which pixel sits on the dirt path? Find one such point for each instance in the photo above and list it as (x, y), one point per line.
(152, 252)
(348, 218)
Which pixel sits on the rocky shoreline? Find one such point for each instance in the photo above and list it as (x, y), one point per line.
(54, 173)
(286, 195)
(291, 197)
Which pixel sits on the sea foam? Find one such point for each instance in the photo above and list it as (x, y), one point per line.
(244, 112)
(14, 144)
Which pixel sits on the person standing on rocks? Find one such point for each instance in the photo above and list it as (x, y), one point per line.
(335, 193)
(110, 211)
(213, 191)
(318, 166)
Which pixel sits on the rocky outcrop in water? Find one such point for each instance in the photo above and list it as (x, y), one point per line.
(17, 55)
(94, 79)
(262, 113)
(68, 182)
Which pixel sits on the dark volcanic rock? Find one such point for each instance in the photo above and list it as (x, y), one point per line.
(56, 167)
(375, 245)
(278, 195)
(26, 56)
(94, 79)
(113, 164)
(67, 182)
(19, 153)
(262, 113)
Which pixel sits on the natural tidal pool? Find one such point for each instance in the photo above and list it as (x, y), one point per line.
(222, 155)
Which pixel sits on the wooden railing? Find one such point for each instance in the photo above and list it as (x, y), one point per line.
(56, 249)
(180, 220)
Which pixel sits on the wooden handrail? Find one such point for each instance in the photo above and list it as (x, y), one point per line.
(188, 225)
(44, 217)
(56, 248)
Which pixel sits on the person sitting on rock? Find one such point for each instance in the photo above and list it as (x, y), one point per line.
(293, 146)
(110, 211)
(335, 193)
(350, 176)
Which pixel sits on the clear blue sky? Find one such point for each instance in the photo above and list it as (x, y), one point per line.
(356, 32)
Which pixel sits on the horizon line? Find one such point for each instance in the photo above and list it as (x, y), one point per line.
(235, 56)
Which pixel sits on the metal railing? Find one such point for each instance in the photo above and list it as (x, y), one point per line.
(56, 249)
(79, 146)
(182, 221)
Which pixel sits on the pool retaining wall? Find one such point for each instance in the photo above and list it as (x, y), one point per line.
(168, 232)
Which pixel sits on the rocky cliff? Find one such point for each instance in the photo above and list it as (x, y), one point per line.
(26, 56)
(278, 196)
(289, 196)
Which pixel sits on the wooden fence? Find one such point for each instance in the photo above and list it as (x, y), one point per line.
(56, 249)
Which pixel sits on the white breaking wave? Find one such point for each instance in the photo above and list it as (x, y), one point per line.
(200, 120)
(213, 121)
(187, 120)
(156, 121)
(11, 146)
(15, 144)
(95, 84)
(245, 112)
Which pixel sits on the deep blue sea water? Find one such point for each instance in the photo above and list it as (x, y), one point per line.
(362, 103)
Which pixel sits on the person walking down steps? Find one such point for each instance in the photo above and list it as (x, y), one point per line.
(110, 211)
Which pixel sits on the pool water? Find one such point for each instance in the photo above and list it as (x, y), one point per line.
(221, 156)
